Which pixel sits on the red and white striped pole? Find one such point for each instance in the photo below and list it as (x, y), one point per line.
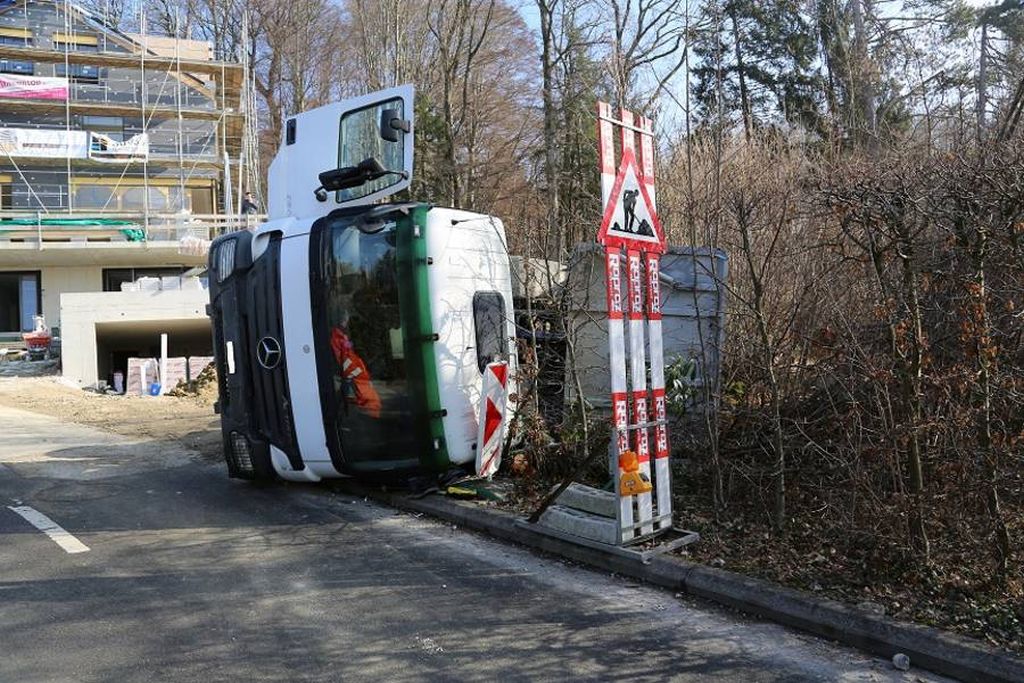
(662, 472)
(605, 151)
(637, 354)
(617, 363)
(616, 336)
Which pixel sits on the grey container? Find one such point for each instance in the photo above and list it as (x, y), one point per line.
(693, 314)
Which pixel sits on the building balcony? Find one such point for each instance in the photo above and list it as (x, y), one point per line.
(230, 73)
(99, 106)
(81, 238)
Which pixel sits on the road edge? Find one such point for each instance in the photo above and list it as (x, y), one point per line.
(941, 652)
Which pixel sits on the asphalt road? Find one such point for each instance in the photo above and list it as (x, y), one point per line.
(190, 576)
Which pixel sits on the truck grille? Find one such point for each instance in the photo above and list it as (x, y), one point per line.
(271, 407)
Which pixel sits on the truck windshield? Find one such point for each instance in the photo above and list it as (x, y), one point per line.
(372, 408)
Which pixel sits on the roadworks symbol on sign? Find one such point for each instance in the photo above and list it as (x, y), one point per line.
(629, 219)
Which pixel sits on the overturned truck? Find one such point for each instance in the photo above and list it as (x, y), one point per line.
(352, 332)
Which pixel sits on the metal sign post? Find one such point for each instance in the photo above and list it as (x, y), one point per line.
(640, 507)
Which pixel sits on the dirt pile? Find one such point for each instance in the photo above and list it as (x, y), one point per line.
(203, 388)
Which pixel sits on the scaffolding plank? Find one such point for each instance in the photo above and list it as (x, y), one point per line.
(126, 60)
(114, 109)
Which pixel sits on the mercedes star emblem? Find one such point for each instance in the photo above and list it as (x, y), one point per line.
(268, 352)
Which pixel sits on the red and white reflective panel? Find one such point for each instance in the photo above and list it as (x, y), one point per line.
(638, 379)
(617, 363)
(617, 350)
(605, 150)
(628, 134)
(662, 472)
(491, 432)
(657, 353)
(647, 157)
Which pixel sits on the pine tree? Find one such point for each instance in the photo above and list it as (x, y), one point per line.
(757, 59)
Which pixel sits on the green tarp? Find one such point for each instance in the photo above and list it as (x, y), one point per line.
(131, 233)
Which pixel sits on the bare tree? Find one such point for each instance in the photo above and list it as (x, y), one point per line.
(394, 41)
(882, 205)
(645, 49)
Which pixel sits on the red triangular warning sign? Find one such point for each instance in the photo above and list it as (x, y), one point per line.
(629, 219)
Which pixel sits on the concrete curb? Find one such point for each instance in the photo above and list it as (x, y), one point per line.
(929, 648)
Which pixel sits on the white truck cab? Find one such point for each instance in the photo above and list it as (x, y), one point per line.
(351, 333)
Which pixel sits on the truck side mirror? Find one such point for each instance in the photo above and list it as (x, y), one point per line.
(391, 123)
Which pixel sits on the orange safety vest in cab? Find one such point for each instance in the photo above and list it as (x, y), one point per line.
(355, 372)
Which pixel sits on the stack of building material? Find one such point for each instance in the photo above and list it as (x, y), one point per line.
(177, 371)
(197, 364)
(142, 372)
(164, 283)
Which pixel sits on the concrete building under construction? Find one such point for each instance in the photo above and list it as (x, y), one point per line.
(121, 156)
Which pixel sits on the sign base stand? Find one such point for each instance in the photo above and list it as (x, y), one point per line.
(642, 549)
(589, 516)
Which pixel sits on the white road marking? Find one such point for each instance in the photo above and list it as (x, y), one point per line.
(57, 534)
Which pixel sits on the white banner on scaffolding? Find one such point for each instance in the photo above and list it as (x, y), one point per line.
(33, 87)
(72, 144)
(44, 144)
(105, 148)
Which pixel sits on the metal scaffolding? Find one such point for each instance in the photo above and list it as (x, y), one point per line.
(194, 116)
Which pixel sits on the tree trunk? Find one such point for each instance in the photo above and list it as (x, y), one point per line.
(983, 80)
(912, 375)
(768, 355)
(741, 74)
(989, 457)
(865, 126)
(551, 170)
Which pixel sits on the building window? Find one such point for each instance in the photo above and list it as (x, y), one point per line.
(75, 43)
(16, 66)
(489, 322)
(80, 73)
(18, 37)
(200, 200)
(17, 41)
(74, 47)
(111, 126)
(20, 299)
(130, 196)
(95, 197)
(6, 192)
(134, 199)
(113, 278)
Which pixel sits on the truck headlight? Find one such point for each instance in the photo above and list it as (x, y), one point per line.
(240, 452)
(225, 260)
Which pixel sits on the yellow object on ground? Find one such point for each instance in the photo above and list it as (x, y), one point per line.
(631, 480)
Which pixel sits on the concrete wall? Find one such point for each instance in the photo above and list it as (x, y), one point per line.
(58, 280)
(172, 311)
(693, 315)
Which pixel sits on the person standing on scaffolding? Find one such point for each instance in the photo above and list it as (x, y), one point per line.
(249, 206)
(249, 210)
